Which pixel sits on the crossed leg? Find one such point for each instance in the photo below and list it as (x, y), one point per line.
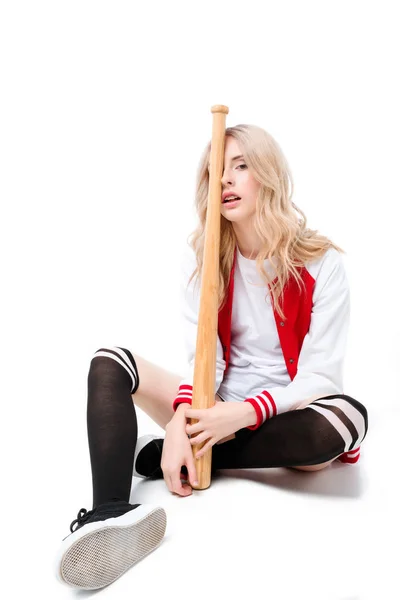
(159, 387)
(321, 465)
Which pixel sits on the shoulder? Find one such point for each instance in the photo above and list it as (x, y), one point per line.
(330, 277)
(330, 263)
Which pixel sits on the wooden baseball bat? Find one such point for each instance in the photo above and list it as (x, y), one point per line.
(207, 329)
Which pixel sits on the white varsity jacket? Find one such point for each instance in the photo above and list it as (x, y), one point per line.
(273, 363)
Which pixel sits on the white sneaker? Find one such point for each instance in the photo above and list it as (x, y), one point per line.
(108, 540)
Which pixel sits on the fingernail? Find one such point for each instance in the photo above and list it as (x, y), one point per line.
(195, 483)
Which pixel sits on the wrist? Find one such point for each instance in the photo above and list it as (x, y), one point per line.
(181, 408)
(178, 419)
(249, 415)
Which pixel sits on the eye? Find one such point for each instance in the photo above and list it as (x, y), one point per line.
(242, 165)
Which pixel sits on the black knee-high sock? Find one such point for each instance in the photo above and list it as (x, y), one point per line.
(111, 423)
(325, 429)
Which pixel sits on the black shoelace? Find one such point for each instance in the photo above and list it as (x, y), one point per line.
(82, 517)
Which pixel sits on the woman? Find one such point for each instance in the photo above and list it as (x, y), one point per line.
(282, 326)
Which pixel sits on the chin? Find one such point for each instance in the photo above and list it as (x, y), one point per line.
(235, 218)
(232, 219)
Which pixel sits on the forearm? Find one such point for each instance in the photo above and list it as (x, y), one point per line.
(246, 418)
(243, 414)
(180, 412)
(249, 415)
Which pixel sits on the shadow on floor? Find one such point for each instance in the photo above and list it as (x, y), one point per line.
(346, 481)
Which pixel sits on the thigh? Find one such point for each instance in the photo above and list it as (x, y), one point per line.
(157, 390)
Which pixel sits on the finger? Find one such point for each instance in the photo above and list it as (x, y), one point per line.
(206, 447)
(195, 428)
(168, 482)
(187, 489)
(192, 472)
(193, 413)
(200, 438)
(177, 487)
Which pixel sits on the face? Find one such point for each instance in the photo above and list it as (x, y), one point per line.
(238, 181)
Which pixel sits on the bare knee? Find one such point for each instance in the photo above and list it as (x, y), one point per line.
(318, 467)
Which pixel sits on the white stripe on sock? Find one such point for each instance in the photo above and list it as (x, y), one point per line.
(118, 360)
(337, 424)
(352, 413)
(353, 453)
(126, 357)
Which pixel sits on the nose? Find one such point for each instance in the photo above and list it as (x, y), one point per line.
(226, 179)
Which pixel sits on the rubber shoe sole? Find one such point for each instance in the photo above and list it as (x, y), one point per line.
(98, 553)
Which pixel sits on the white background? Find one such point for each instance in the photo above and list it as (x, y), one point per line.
(105, 110)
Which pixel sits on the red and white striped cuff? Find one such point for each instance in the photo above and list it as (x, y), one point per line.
(350, 457)
(185, 394)
(265, 408)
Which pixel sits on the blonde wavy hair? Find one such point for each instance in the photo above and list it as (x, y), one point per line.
(287, 242)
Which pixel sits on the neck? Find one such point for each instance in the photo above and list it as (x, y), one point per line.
(246, 239)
